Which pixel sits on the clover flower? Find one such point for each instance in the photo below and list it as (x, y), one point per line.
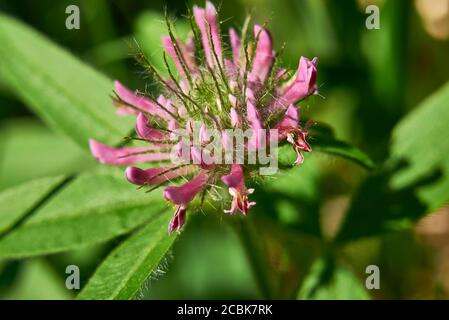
(243, 89)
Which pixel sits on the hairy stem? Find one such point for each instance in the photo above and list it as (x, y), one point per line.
(255, 254)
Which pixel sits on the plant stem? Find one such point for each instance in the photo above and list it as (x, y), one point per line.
(255, 254)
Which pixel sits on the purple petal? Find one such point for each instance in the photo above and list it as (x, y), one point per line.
(185, 54)
(235, 45)
(235, 178)
(235, 118)
(226, 141)
(154, 176)
(255, 125)
(178, 220)
(144, 104)
(123, 109)
(291, 118)
(304, 83)
(250, 96)
(263, 59)
(206, 19)
(146, 132)
(124, 156)
(236, 184)
(204, 134)
(253, 116)
(185, 193)
(133, 99)
(167, 106)
(231, 70)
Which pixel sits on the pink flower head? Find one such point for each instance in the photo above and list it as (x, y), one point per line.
(243, 93)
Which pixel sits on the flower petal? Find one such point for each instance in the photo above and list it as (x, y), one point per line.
(133, 99)
(146, 132)
(235, 118)
(178, 220)
(256, 125)
(154, 176)
(236, 184)
(124, 156)
(235, 178)
(227, 143)
(142, 103)
(304, 83)
(263, 59)
(185, 55)
(185, 193)
(206, 19)
(288, 123)
(231, 70)
(235, 45)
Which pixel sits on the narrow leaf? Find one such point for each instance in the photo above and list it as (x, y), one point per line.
(30, 150)
(124, 271)
(17, 201)
(343, 150)
(66, 93)
(93, 208)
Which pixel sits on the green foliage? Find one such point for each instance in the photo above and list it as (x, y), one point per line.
(69, 95)
(420, 141)
(51, 154)
(91, 209)
(18, 201)
(123, 272)
(292, 198)
(414, 180)
(376, 208)
(327, 281)
(39, 281)
(381, 75)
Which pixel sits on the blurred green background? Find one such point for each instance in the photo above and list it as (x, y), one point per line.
(368, 79)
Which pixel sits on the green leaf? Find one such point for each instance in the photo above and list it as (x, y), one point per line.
(67, 94)
(38, 281)
(343, 150)
(16, 202)
(376, 208)
(415, 179)
(297, 208)
(124, 271)
(420, 142)
(30, 150)
(327, 281)
(93, 208)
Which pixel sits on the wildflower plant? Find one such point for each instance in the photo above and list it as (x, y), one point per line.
(221, 116)
(220, 121)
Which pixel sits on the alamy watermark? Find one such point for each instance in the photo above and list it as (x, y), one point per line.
(373, 280)
(72, 281)
(202, 146)
(372, 22)
(73, 19)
